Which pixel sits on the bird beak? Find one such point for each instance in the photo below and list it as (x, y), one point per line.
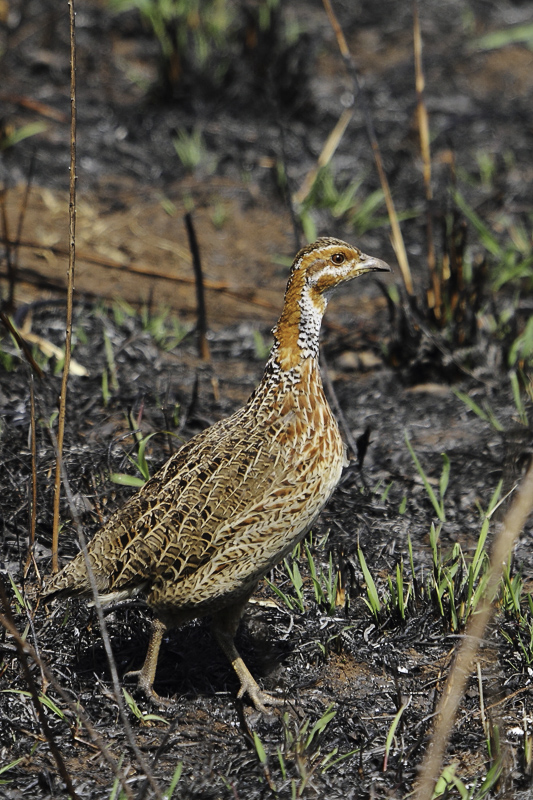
(370, 264)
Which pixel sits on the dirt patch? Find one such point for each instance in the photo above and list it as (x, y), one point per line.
(129, 248)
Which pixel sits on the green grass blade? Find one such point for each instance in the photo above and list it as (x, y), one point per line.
(399, 584)
(322, 723)
(373, 598)
(444, 477)
(289, 601)
(486, 416)
(174, 782)
(517, 397)
(126, 480)
(488, 240)
(259, 749)
(433, 541)
(392, 732)
(497, 39)
(46, 701)
(439, 508)
(11, 765)
(16, 591)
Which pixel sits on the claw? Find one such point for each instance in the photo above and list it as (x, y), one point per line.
(148, 689)
(259, 698)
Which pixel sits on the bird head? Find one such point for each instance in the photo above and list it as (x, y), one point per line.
(322, 266)
(316, 271)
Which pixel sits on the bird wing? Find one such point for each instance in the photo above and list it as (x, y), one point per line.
(188, 515)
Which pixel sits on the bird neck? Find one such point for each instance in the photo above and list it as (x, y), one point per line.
(296, 335)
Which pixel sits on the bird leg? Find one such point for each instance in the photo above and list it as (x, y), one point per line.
(146, 675)
(224, 625)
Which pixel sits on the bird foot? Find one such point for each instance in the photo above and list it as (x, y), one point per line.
(148, 689)
(259, 698)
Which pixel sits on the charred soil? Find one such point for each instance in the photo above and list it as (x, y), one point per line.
(322, 653)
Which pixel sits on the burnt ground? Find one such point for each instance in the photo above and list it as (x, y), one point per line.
(132, 192)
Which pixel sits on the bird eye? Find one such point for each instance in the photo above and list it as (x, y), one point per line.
(338, 258)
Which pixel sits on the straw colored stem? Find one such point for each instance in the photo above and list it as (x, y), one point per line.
(462, 669)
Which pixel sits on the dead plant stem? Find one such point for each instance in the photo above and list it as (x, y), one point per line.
(33, 505)
(334, 401)
(328, 151)
(10, 262)
(201, 313)
(462, 669)
(434, 295)
(70, 290)
(397, 238)
(21, 343)
(23, 209)
(6, 619)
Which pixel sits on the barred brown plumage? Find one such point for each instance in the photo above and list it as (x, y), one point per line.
(233, 501)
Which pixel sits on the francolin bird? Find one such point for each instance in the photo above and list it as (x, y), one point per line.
(233, 501)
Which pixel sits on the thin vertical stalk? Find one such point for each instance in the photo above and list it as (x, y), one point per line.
(286, 188)
(434, 294)
(33, 512)
(397, 238)
(23, 210)
(10, 263)
(70, 289)
(455, 685)
(203, 344)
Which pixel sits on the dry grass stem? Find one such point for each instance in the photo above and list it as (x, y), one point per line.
(328, 151)
(30, 559)
(10, 261)
(30, 103)
(70, 289)
(334, 402)
(455, 685)
(23, 209)
(397, 238)
(434, 294)
(21, 343)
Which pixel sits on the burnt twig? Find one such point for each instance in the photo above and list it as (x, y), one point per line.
(201, 325)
